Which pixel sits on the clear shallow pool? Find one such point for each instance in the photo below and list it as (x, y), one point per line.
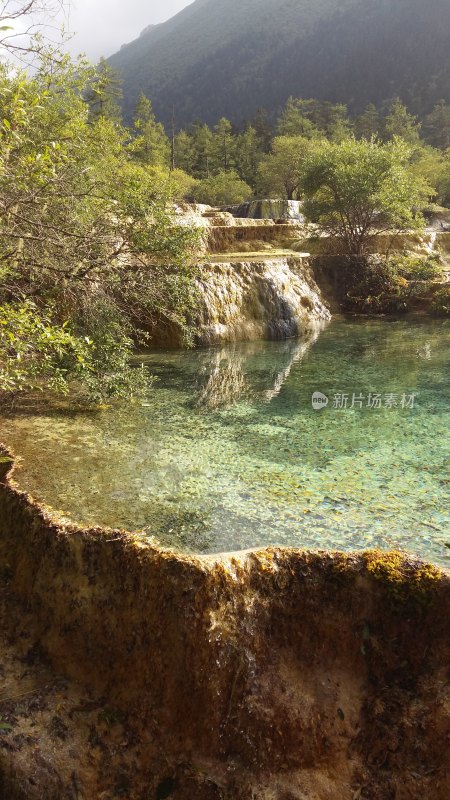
(226, 452)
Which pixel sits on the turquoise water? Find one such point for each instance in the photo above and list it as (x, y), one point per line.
(226, 451)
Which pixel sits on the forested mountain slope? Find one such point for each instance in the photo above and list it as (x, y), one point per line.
(229, 57)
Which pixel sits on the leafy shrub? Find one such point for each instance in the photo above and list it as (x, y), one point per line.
(415, 268)
(173, 184)
(441, 302)
(372, 284)
(223, 189)
(36, 354)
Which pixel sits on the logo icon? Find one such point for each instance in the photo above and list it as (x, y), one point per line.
(319, 401)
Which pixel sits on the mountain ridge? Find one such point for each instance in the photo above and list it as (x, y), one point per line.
(229, 58)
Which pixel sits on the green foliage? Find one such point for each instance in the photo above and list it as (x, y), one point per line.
(263, 128)
(223, 189)
(436, 126)
(441, 302)
(356, 190)
(401, 124)
(185, 152)
(443, 183)
(202, 151)
(36, 354)
(314, 119)
(368, 124)
(223, 145)
(104, 93)
(83, 229)
(173, 184)
(112, 340)
(372, 285)
(429, 164)
(280, 172)
(272, 167)
(248, 153)
(150, 145)
(415, 268)
(296, 119)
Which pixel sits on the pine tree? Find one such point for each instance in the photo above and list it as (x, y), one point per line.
(294, 120)
(368, 123)
(437, 126)
(263, 127)
(104, 95)
(185, 152)
(151, 145)
(335, 122)
(399, 122)
(203, 149)
(248, 154)
(223, 145)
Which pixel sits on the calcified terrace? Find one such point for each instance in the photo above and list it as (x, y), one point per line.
(277, 673)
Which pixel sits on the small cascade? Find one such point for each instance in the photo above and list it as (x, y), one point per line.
(269, 209)
(273, 298)
(431, 244)
(437, 243)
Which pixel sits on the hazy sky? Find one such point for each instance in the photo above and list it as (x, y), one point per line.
(102, 26)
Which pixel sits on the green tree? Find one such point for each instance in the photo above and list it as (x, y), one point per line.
(368, 123)
(356, 190)
(174, 184)
(202, 149)
(295, 120)
(223, 145)
(399, 122)
(35, 354)
(85, 236)
(336, 123)
(443, 186)
(331, 119)
(104, 93)
(223, 189)
(151, 145)
(248, 154)
(263, 127)
(436, 126)
(185, 154)
(280, 172)
(428, 164)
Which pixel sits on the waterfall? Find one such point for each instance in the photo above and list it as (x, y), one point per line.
(269, 209)
(273, 298)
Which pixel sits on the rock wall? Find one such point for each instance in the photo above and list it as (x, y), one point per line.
(274, 298)
(278, 674)
(235, 239)
(422, 244)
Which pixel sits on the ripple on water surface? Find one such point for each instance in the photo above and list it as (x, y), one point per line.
(226, 451)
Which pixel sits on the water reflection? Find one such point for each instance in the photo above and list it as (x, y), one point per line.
(240, 372)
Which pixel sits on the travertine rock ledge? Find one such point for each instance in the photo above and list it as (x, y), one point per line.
(133, 672)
